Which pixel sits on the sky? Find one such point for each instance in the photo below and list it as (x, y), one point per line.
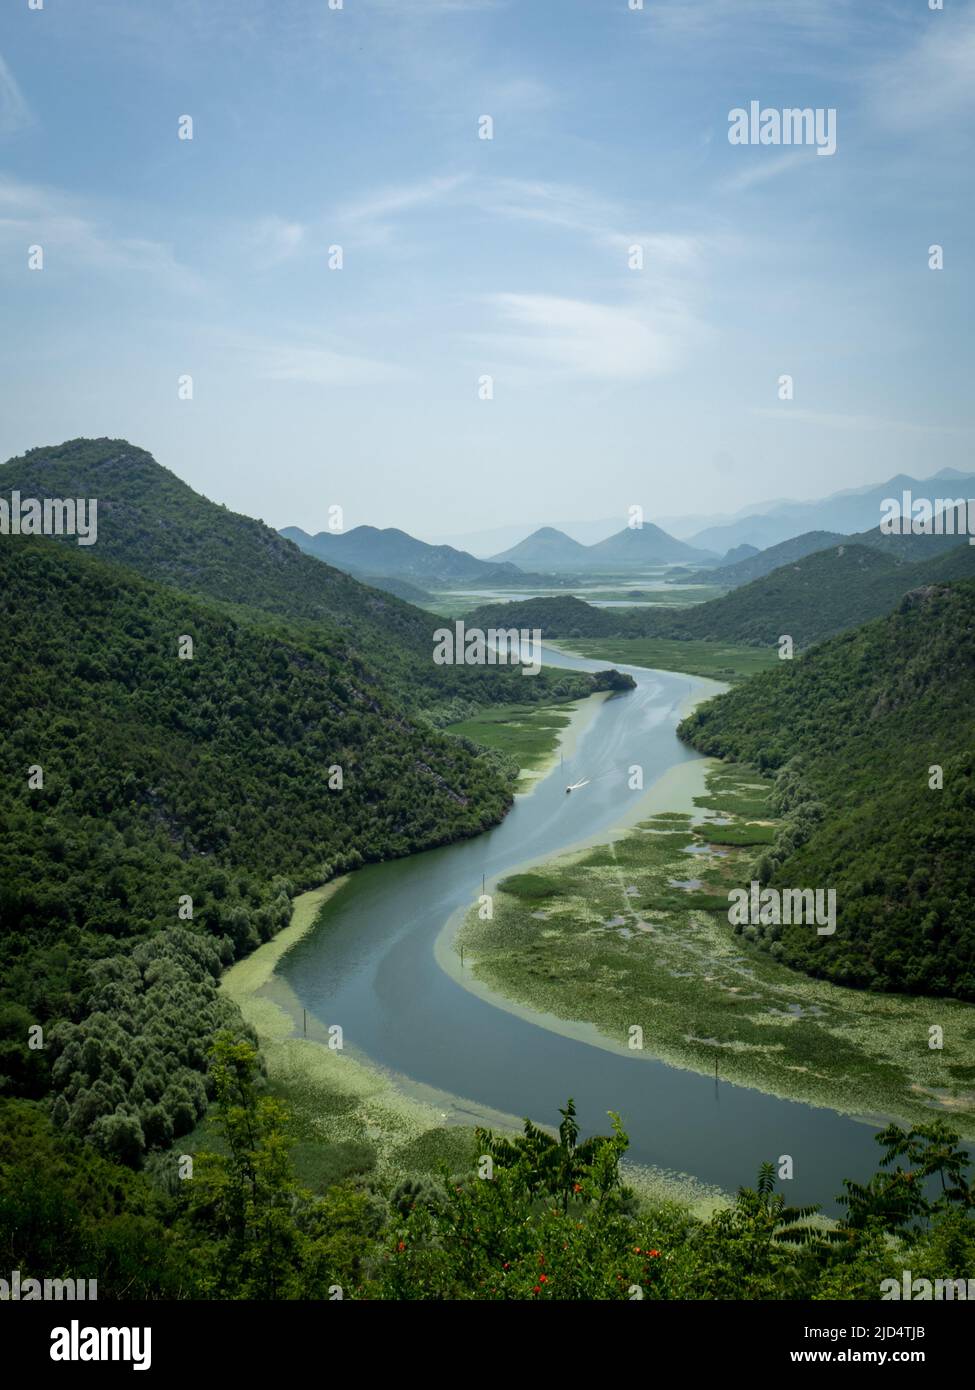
(508, 258)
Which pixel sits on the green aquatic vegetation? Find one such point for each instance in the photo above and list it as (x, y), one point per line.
(743, 834)
(665, 958)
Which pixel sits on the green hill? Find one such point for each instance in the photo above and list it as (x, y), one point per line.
(813, 598)
(546, 549)
(153, 522)
(855, 727)
(730, 573)
(207, 780)
(164, 777)
(395, 553)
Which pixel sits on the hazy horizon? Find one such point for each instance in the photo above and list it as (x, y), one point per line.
(466, 257)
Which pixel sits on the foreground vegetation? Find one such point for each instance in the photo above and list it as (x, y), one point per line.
(530, 1217)
(636, 932)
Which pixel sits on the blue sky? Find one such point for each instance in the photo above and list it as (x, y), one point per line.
(464, 257)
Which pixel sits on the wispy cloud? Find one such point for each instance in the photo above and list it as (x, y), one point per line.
(755, 174)
(575, 210)
(371, 218)
(32, 214)
(439, 7)
(586, 339)
(15, 114)
(767, 19)
(931, 82)
(272, 240)
(305, 360)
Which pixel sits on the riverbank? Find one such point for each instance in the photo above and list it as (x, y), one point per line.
(354, 1117)
(632, 934)
(723, 661)
(350, 1118)
(534, 736)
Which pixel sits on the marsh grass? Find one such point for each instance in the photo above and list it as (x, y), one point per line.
(530, 734)
(609, 936)
(719, 660)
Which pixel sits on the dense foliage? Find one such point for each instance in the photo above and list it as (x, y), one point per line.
(535, 1217)
(813, 598)
(858, 727)
(167, 786)
(152, 522)
(142, 793)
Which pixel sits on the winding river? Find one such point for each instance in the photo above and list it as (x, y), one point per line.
(369, 965)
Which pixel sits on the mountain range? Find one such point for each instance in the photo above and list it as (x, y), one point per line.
(809, 599)
(368, 551)
(781, 531)
(389, 552)
(633, 547)
(848, 512)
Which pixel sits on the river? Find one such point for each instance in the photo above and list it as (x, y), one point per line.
(369, 965)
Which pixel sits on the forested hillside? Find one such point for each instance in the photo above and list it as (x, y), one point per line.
(808, 600)
(858, 729)
(157, 780)
(730, 573)
(153, 522)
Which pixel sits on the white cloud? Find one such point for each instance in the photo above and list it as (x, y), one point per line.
(586, 339)
(31, 214)
(932, 82)
(371, 217)
(437, 7)
(755, 20)
(753, 174)
(15, 114)
(273, 240)
(788, 413)
(314, 364)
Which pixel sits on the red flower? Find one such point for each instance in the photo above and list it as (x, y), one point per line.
(537, 1288)
(401, 1246)
(543, 1278)
(653, 1253)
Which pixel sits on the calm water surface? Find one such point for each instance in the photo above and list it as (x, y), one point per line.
(369, 965)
